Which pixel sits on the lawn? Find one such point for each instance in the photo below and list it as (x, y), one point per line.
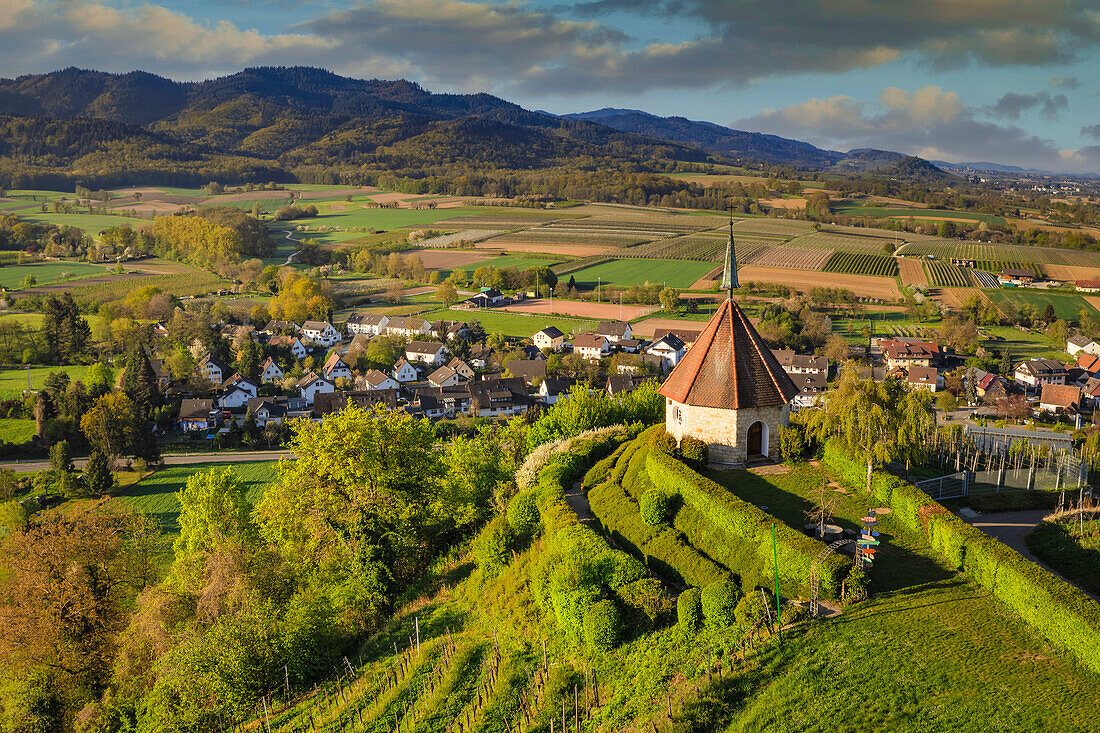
(1024, 345)
(626, 272)
(45, 273)
(13, 380)
(521, 262)
(16, 431)
(512, 324)
(1067, 306)
(155, 495)
(29, 320)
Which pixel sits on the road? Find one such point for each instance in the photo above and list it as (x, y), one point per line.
(172, 459)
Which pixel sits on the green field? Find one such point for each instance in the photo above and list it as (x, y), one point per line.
(379, 219)
(512, 324)
(45, 273)
(92, 224)
(29, 320)
(1067, 306)
(155, 495)
(1024, 345)
(918, 214)
(626, 272)
(13, 380)
(16, 431)
(520, 262)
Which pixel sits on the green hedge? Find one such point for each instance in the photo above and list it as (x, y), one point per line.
(796, 551)
(1061, 613)
(689, 611)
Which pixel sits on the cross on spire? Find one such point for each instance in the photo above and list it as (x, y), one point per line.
(729, 272)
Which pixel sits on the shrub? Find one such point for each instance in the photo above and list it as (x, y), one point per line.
(795, 614)
(523, 513)
(655, 506)
(792, 443)
(601, 626)
(689, 611)
(694, 451)
(664, 443)
(750, 609)
(647, 601)
(856, 585)
(494, 546)
(719, 599)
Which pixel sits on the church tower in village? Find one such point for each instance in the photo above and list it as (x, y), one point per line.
(729, 390)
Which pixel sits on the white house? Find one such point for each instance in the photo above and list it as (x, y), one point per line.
(212, 369)
(487, 298)
(197, 414)
(311, 385)
(1077, 344)
(550, 337)
(368, 324)
(292, 343)
(924, 378)
(444, 376)
(811, 386)
(273, 327)
(234, 398)
(590, 346)
(464, 370)
(238, 382)
(270, 371)
(669, 348)
(613, 331)
(407, 326)
(375, 379)
(268, 410)
(335, 368)
(426, 352)
(403, 372)
(321, 332)
(552, 390)
(1035, 372)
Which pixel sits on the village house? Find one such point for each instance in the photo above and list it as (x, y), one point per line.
(1060, 398)
(367, 324)
(237, 334)
(426, 352)
(479, 356)
(590, 346)
(618, 385)
(270, 371)
(310, 385)
(498, 397)
(1014, 276)
(463, 369)
(554, 389)
(906, 354)
(687, 335)
(1088, 363)
(924, 378)
(1087, 286)
(405, 372)
(529, 370)
(811, 386)
(407, 326)
(613, 331)
(487, 298)
(374, 380)
(1077, 344)
(444, 376)
(198, 415)
(272, 410)
(274, 327)
(793, 363)
(235, 392)
(1036, 372)
(330, 402)
(321, 332)
(335, 368)
(429, 403)
(160, 328)
(293, 344)
(631, 346)
(1090, 393)
(212, 370)
(550, 337)
(669, 348)
(448, 330)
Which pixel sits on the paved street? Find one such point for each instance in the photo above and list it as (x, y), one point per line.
(172, 459)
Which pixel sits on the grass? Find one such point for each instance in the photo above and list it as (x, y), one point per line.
(626, 272)
(513, 324)
(188, 281)
(45, 273)
(29, 320)
(1024, 345)
(92, 224)
(919, 214)
(1067, 306)
(16, 431)
(155, 495)
(1077, 558)
(13, 380)
(375, 219)
(520, 261)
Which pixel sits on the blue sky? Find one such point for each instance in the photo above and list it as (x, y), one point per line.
(1011, 81)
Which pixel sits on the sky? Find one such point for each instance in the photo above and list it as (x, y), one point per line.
(1008, 81)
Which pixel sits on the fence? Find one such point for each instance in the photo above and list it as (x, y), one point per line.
(952, 486)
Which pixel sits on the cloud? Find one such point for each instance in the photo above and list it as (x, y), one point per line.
(1011, 105)
(1065, 82)
(929, 122)
(1092, 131)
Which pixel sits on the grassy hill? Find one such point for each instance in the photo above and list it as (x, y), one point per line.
(505, 645)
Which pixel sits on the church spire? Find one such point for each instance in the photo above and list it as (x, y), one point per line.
(729, 272)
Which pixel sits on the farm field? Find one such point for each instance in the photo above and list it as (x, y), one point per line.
(787, 256)
(773, 227)
(512, 324)
(16, 431)
(844, 242)
(911, 272)
(113, 287)
(648, 327)
(581, 309)
(702, 247)
(13, 379)
(92, 224)
(155, 495)
(861, 264)
(999, 253)
(1066, 305)
(625, 272)
(1023, 345)
(865, 286)
(45, 273)
(378, 219)
(29, 320)
(905, 213)
(945, 275)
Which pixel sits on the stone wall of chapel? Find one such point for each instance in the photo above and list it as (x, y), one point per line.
(725, 431)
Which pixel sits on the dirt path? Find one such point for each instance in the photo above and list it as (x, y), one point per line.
(577, 500)
(1011, 528)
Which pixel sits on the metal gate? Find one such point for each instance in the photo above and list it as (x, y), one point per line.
(952, 486)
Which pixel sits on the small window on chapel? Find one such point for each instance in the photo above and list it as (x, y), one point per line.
(677, 415)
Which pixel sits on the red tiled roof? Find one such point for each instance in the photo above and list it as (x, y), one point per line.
(1089, 363)
(729, 367)
(1061, 395)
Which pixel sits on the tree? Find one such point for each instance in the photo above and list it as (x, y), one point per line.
(214, 507)
(111, 424)
(971, 387)
(65, 332)
(1049, 314)
(61, 458)
(836, 348)
(1058, 332)
(99, 379)
(97, 475)
(670, 299)
(249, 357)
(139, 381)
(448, 293)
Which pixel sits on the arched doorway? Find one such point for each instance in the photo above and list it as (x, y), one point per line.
(758, 439)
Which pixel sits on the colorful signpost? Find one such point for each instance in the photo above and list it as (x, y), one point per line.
(867, 542)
